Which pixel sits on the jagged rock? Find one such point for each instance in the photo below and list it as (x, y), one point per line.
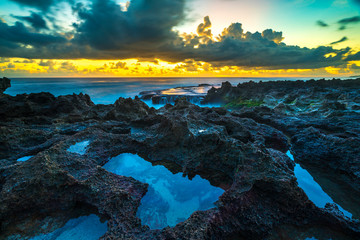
(4, 84)
(165, 96)
(241, 151)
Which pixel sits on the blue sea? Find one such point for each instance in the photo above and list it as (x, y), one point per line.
(108, 90)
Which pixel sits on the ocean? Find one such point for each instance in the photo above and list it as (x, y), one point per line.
(108, 90)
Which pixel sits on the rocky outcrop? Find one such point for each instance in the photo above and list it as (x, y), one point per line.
(193, 94)
(321, 121)
(295, 97)
(4, 84)
(242, 152)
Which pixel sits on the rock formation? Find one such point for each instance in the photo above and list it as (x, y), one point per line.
(243, 152)
(4, 84)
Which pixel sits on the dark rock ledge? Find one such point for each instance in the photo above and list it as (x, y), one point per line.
(4, 84)
(242, 151)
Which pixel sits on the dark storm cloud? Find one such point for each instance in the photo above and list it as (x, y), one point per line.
(146, 23)
(39, 4)
(239, 48)
(254, 50)
(36, 21)
(322, 23)
(346, 21)
(339, 41)
(145, 31)
(14, 36)
(271, 35)
(354, 57)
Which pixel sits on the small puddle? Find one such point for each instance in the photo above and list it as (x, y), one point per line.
(79, 148)
(82, 228)
(171, 198)
(312, 189)
(24, 159)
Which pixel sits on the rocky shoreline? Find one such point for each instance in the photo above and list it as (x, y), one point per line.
(243, 151)
(193, 94)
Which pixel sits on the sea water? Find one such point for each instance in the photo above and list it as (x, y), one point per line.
(108, 90)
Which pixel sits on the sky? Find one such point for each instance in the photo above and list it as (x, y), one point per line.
(179, 38)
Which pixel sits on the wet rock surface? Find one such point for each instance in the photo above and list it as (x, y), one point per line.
(193, 94)
(243, 152)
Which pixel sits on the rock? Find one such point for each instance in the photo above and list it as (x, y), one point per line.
(193, 94)
(341, 154)
(128, 109)
(4, 84)
(243, 152)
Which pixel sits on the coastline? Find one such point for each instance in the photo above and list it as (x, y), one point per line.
(241, 148)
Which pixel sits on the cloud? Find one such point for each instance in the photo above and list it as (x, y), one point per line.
(346, 21)
(4, 60)
(355, 67)
(68, 67)
(339, 41)
(146, 24)
(354, 57)
(36, 21)
(145, 31)
(118, 65)
(150, 60)
(39, 4)
(233, 31)
(271, 35)
(11, 65)
(322, 23)
(28, 61)
(204, 28)
(18, 35)
(47, 63)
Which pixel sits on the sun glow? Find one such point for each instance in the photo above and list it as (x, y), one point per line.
(18, 67)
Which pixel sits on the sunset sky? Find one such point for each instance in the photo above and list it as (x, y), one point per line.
(179, 38)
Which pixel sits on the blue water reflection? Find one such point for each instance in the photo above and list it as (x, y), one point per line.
(171, 198)
(82, 228)
(79, 148)
(312, 189)
(24, 159)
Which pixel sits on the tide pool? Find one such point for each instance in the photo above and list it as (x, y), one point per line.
(24, 159)
(79, 148)
(82, 228)
(312, 189)
(171, 198)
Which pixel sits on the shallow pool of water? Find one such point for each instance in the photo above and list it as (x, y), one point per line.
(79, 148)
(171, 198)
(24, 159)
(82, 228)
(312, 189)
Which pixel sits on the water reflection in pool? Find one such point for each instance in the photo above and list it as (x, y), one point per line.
(79, 148)
(24, 159)
(82, 228)
(312, 189)
(171, 198)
